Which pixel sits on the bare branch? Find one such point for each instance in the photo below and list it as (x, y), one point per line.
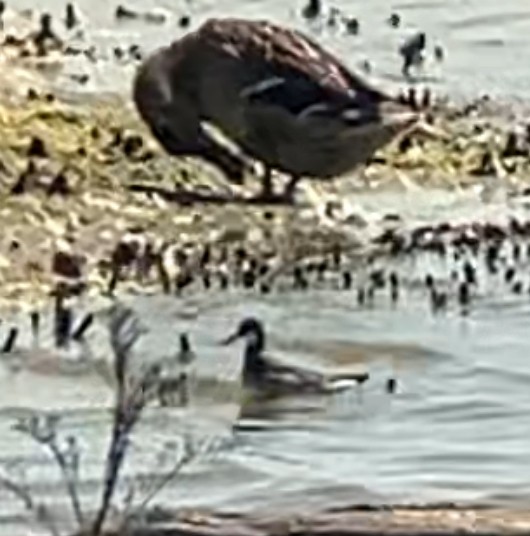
(125, 330)
(43, 430)
(41, 512)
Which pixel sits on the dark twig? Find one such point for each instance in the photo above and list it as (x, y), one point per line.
(69, 481)
(125, 330)
(10, 341)
(23, 494)
(79, 332)
(20, 491)
(188, 456)
(63, 320)
(43, 430)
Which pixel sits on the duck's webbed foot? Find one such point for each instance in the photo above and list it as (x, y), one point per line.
(267, 186)
(290, 188)
(267, 193)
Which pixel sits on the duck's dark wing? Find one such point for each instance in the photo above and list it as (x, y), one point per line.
(290, 70)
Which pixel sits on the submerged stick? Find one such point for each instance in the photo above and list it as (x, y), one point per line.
(70, 483)
(79, 333)
(124, 332)
(10, 341)
(63, 319)
(35, 324)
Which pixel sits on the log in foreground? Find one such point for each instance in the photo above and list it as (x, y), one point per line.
(430, 520)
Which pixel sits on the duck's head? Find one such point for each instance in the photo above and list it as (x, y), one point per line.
(153, 97)
(251, 329)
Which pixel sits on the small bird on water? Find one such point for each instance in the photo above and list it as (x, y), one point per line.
(267, 375)
(276, 93)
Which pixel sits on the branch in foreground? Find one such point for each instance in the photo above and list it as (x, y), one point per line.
(22, 493)
(43, 430)
(131, 399)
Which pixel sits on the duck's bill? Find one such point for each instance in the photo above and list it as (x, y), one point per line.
(390, 122)
(230, 339)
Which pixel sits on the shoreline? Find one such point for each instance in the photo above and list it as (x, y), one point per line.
(78, 163)
(358, 520)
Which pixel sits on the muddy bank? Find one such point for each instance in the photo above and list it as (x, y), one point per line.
(78, 178)
(354, 521)
(89, 198)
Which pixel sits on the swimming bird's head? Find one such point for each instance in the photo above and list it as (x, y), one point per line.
(252, 330)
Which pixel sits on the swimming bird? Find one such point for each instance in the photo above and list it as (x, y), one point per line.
(264, 374)
(277, 94)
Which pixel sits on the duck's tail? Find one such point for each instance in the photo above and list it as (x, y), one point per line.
(358, 377)
(343, 382)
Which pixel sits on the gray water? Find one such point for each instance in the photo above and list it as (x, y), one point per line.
(485, 42)
(458, 426)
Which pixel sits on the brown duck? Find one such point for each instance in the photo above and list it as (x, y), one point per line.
(270, 377)
(276, 93)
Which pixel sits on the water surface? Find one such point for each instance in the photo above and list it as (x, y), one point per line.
(457, 428)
